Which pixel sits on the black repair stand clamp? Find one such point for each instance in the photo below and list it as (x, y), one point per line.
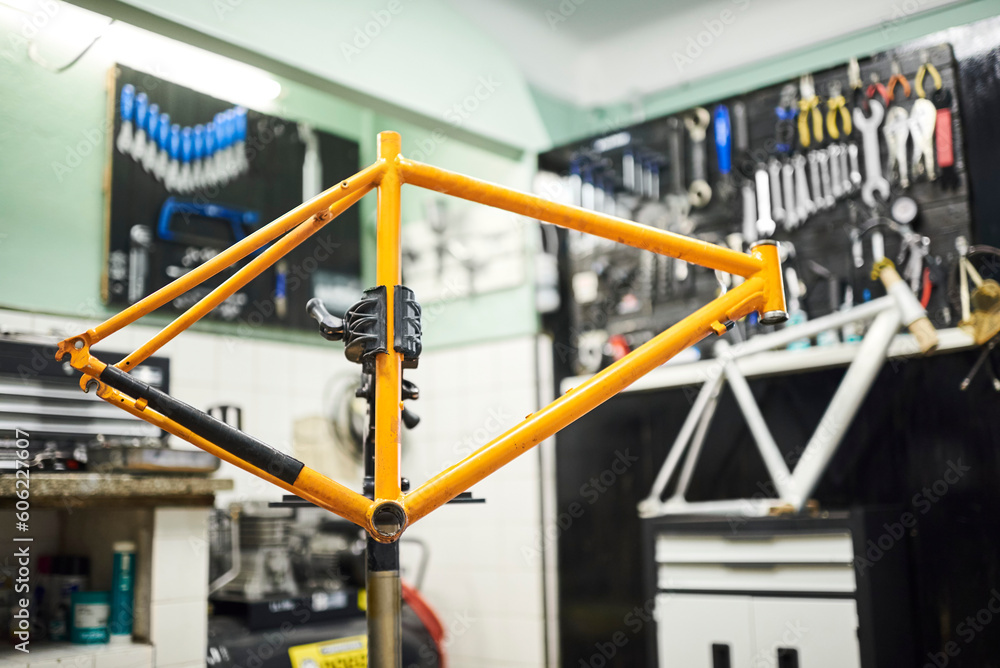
(363, 331)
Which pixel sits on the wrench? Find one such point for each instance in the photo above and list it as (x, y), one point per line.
(699, 191)
(836, 152)
(765, 225)
(868, 126)
(774, 176)
(749, 213)
(824, 169)
(923, 117)
(788, 188)
(845, 170)
(806, 207)
(817, 191)
(896, 130)
(677, 198)
(855, 171)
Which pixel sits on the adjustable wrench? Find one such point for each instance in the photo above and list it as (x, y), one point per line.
(868, 126)
(765, 225)
(788, 189)
(806, 207)
(774, 176)
(696, 123)
(923, 117)
(896, 130)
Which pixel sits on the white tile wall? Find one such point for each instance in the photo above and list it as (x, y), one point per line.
(274, 383)
(483, 578)
(179, 591)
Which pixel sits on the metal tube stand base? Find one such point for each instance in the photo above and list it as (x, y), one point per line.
(384, 605)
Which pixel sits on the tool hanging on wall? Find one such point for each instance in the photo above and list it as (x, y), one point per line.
(836, 109)
(206, 155)
(152, 133)
(678, 198)
(126, 108)
(943, 141)
(923, 119)
(765, 222)
(784, 138)
(856, 85)
(723, 151)
(926, 68)
(897, 78)
(896, 131)
(876, 87)
(697, 125)
(139, 140)
(162, 147)
(875, 183)
(744, 169)
(809, 113)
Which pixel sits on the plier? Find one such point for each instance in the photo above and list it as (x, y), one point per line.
(809, 107)
(837, 103)
(925, 69)
(897, 78)
(877, 87)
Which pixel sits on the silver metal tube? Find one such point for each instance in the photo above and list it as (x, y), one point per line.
(773, 459)
(697, 441)
(384, 606)
(652, 502)
(844, 406)
(811, 328)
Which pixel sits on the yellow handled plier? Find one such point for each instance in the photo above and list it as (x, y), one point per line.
(925, 69)
(809, 108)
(837, 104)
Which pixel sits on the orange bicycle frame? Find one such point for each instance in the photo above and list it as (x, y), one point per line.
(387, 515)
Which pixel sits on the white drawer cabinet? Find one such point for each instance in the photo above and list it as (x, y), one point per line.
(705, 631)
(777, 593)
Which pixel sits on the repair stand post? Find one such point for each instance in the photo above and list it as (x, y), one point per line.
(385, 605)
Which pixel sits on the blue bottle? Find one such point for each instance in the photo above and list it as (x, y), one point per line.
(122, 583)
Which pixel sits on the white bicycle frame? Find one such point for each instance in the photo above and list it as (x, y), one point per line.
(793, 487)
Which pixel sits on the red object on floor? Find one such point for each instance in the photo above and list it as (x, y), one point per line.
(413, 598)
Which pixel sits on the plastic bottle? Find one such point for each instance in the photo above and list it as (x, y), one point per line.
(90, 617)
(122, 579)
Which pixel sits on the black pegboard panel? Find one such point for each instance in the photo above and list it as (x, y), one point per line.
(824, 238)
(324, 265)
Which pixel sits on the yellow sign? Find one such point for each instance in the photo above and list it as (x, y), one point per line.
(349, 652)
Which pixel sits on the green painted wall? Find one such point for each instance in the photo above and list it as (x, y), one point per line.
(54, 156)
(888, 35)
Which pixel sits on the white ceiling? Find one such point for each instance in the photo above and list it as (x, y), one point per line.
(600, 52)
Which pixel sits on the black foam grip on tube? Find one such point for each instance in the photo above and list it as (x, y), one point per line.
(230, 439)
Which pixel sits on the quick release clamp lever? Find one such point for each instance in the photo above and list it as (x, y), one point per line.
(364, 333)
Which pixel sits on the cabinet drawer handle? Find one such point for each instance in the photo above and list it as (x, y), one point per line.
(788, 658)
(720, 656)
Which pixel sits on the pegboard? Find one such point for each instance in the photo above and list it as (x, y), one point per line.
(823, 239)
(157, 233)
